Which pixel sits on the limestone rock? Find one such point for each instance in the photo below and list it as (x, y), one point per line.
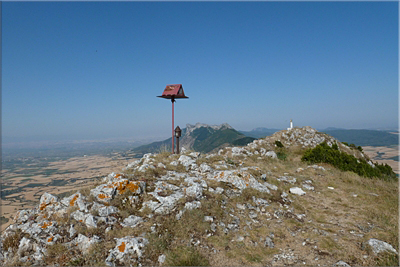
(342, 264)
(378, 246)
(297, 191)
(195, 190)
(186, 161)
(205, 168)
(75, 200)
(83, 242)
(47, 200)
(268, 242)
(107, 210)
(127, 248)
(271, 154)
(132, 221)
(161, 259)
(287, 179)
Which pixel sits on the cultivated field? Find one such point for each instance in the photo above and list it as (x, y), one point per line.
(384, 154)
(22, 186)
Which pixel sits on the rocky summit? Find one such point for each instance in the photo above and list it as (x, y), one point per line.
(253, 205)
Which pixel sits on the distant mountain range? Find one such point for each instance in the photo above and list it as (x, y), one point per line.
(202, 138)
(206, 138)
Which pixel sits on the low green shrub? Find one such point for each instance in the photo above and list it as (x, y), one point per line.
(281, 155)
(278, 143)
(345, 162)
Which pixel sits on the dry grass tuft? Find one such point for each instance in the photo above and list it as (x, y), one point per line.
(186, 256)
(12, 241)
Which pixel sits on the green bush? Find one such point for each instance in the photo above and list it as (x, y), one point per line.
(278, 143)
(345, 162)
(281, 155)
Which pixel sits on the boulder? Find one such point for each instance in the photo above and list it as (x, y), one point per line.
(186, 161)
(271, 154)
(47, 200)
(107, 210)
(297, 191)
(76, 200)
(379, 246)
(127, 248)
(195, 190)
(205, 168)
(132, 221)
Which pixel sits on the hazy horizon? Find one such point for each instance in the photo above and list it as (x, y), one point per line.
(92, 70)
(55, 139)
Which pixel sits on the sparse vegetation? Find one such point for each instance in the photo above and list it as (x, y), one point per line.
(12, 241)
(184, 256)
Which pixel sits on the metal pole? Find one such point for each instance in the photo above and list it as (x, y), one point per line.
(177, 145)
(173, 100)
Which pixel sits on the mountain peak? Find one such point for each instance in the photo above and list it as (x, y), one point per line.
(190, 127)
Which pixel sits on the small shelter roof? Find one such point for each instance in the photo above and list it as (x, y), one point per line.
(173, 91)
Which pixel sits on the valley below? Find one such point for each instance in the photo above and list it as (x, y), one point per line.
(384, 155)
(24, 181)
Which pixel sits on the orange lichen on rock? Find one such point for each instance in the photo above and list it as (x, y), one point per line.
(118, 175)
(132, 186)
(46, 224)
(121, 247)
(72, 202)
(43, 206)
(221, 175)
(124, 185)
(50, 239)
(102, 196)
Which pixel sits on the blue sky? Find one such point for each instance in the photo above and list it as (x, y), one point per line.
(93, 70)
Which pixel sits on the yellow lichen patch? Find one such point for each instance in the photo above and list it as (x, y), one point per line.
(132, 186)
(121, 247)
(72, 202)
(221, 175)
(124, 185)
(43, 206)
(81, 220)
(118, 175)
(46, 224)
(50, 239)
(102, 196)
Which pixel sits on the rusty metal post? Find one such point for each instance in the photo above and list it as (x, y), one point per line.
(173, 91)
(173, 147)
